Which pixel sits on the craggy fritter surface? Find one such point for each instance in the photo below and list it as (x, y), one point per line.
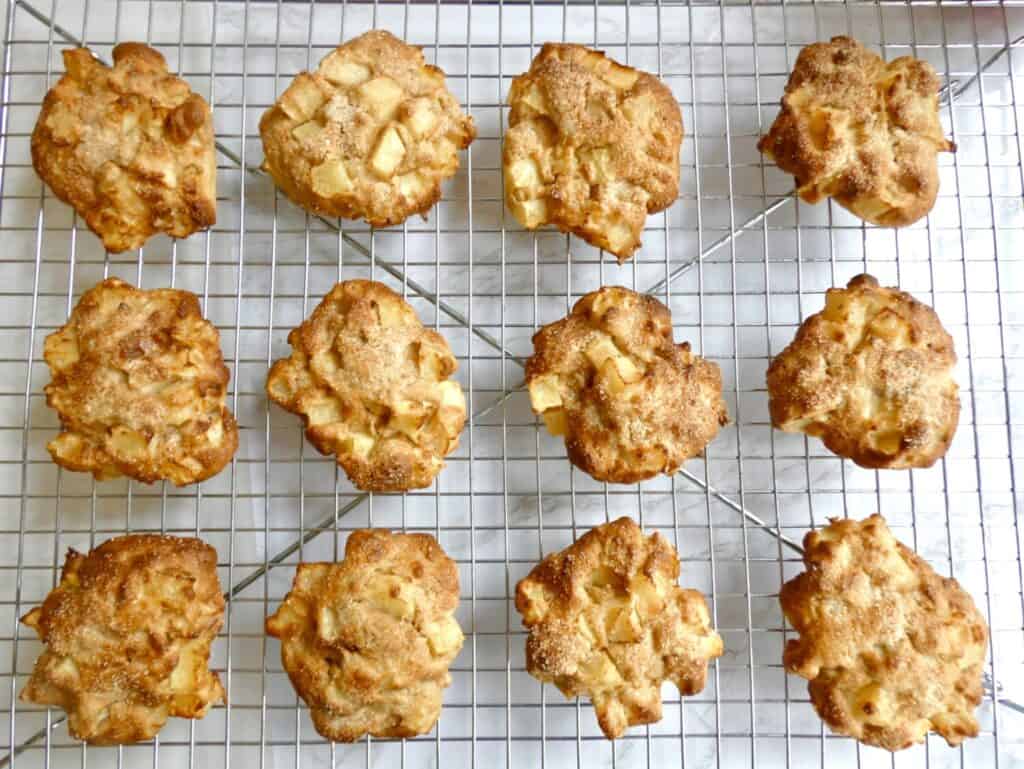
(127, 636)
(367, 642)
(891, 649)
(861, 131)
(630, 402)
(370, 134)
(592, 147)
(139, 383)
(129, 147)
(607, 620)
(872, 376)
(371, 384)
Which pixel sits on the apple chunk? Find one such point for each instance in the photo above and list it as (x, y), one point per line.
(381, 97)
(388, 154)
(330, 178)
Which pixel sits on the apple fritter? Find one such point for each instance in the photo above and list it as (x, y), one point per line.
(370, 134)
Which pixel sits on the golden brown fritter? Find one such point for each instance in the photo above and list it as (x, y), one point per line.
(371, 134)
(872, 376)
(140, 386)
(367, 642)
(607, 620)
(371, 384)
(629, 401)
(130, 147)
(861, 131)
(127, 636)
(592, 147)
(891, 649)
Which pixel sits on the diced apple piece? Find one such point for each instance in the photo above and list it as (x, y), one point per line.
(600, 350)
(408, 417)
(555, 421)
(524, 173)
(600, 668)
(410, 185)
(390, 314)
(420, 117)
(628, 370)
(341, 70)
(645, 595)
(639, 109)
(594, 61)
(430, 361)
(620, 237)
(621, 77)
(323, 412)
(129, 122)
(623, 626)
(381, 96)
(534, 97)
(451, 394)
(889, 325)
(126, 442)
(359, 444)
(586, 630)
(533, 212)
(597, 165)
(886, 441)
(444, 637)
(306, 132)
(327, 623)
(302, 98)
(609, 375)
(544, 393)
(390, 595)
(215, 434)
(154, 165)
(388, 154)
(330, 178)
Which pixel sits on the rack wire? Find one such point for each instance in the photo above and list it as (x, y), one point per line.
(738, 260)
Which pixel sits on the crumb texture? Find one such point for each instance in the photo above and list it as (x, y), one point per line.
(607, 620)
(129, 147)
(367, 642)
(592, 147)
(372, 386)
(127, 636)
(630, 402)
(861, 131)
(370, 134)
(891, 649)
(139, 384)
(872, 376)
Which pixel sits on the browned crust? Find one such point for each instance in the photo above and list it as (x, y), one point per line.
(360, 356)
(139, 384)
(130, 148)
(891, 649)
(872, 376)
(351, 131)
(575, 101)
(127, 636)
(862, 131)
(647, 427)
(367, 642)
(606, 619)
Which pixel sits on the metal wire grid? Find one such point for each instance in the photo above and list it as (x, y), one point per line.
(738, 261)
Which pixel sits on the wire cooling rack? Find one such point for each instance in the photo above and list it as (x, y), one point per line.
(737, 259)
